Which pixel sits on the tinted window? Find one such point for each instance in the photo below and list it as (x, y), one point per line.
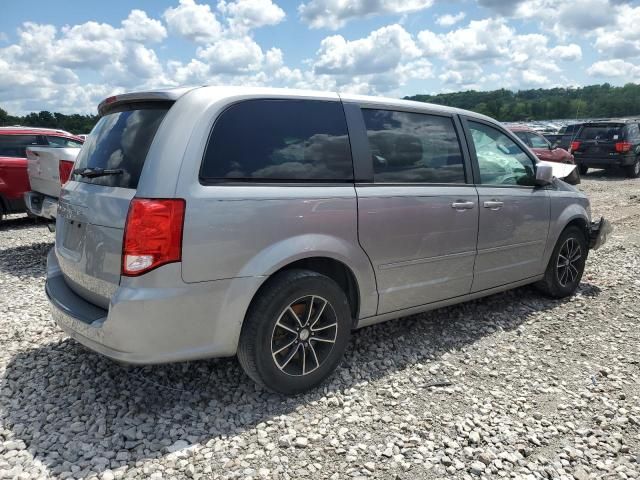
(524, 137)
(500, 159)
(120, 140)
(16, 145)
(604, 132)
(63, 142)
(537, 141)
(413, 148)
(279, 140)
(633, 132)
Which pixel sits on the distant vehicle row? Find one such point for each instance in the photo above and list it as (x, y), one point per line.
(14, 170)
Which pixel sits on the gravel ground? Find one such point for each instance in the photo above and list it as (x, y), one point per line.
(511, 386)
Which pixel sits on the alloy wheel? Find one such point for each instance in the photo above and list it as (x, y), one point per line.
(567, 267)
(304, 335)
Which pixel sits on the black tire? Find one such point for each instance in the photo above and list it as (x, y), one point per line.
(633, 171)
(560, 282)
(263, 332)
(583, 169)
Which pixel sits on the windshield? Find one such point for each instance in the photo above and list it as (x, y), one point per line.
(120, 140)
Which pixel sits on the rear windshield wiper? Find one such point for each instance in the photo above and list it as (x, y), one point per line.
(97, 172)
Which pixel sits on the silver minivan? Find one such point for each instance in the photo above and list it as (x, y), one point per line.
(269, 224)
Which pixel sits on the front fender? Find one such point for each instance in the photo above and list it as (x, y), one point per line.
(564, 210)
(289, 250)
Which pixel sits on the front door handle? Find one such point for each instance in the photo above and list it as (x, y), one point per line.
(493, 204)
(463, 205)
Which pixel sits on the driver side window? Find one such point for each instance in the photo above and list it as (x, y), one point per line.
(500, 159)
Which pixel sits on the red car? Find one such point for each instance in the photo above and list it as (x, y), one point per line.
(545, 151)
(14, 180)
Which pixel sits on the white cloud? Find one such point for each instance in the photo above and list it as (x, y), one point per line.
(193, 21)
(232, 56)
(567, 53)
(334, 14)
(614, 69)
(384, 60)
(140, 28)
(250, 14)
(623, 39)
(381, 51)
(449, 20)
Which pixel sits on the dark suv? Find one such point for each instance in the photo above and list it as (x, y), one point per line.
(608, 144)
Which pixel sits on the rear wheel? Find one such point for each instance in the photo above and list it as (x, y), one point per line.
(583, 169)
(296, 332)
(633, 171)
(566, 264)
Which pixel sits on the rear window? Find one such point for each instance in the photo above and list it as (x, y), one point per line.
(413, 148)
(279, 141)
(16, 145)
(121, 140)
(606, 132)
(62, 142)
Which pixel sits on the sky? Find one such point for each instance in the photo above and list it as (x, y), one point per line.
(68, 56)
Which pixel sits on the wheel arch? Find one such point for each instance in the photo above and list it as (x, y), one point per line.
(329, 266)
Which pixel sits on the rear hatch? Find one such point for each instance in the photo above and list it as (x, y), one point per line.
(93, 206)
(44, 167)
(599, 141)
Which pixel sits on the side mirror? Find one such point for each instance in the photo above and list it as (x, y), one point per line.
(544, 175)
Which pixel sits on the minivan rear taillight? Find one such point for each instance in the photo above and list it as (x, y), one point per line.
(65, 167)
(152, 234)
(574, 146)
(623, 147)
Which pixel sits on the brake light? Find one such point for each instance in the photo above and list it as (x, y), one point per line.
(623, 147)
(152, 234)
(575, 146)
(65, 167)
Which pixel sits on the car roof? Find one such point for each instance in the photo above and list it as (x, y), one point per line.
(520, 128)
(172, 94)
(34, 131)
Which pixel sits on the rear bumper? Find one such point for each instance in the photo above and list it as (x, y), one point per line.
(154, 325)
(41, 205)
(604, 162)
(599, 233)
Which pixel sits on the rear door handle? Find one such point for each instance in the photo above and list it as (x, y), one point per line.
(463, 205)
(493, 204)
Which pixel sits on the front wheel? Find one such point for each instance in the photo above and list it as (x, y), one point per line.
(296, 332)
(566, 265)
(633, 171)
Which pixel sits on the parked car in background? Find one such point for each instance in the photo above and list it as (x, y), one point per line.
(545, 151)
(14, 180)
(49, 167)
(608, 144)
(565, 136)
(269, 223)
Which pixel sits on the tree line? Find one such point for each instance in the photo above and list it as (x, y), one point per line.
(594, 101)
(74, 123)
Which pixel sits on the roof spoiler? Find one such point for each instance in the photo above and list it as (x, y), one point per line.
(110, 103)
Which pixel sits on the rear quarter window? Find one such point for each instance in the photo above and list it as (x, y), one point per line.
(279, 141)
(62, 142)
(16, 145)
